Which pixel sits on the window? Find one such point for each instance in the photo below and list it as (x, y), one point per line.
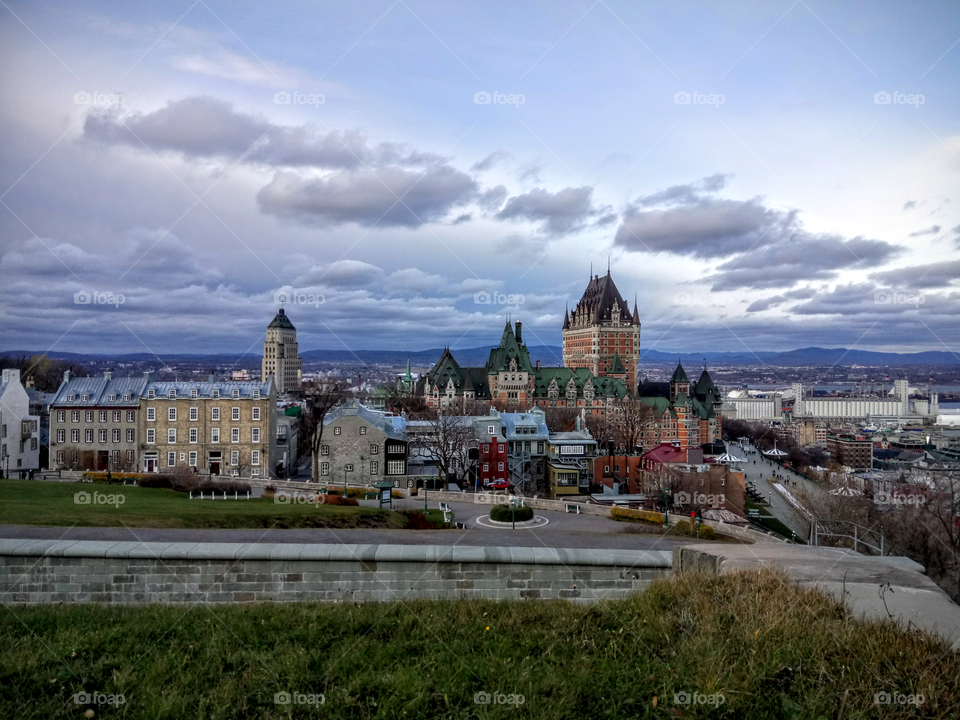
(486, 448)
(215, 435)
(84, 398)
(216, 393)
(235, 435)
(171, 413)
(88, 435)
(131, 435)
(374, 467)
(193, 394)
(235, 413)
(234, 457)
(171, 435)
(194, 414)
(88, 416)
(71, 398)
(193, 435)
(394, 448)
(150, 436)
(255, 435)
(324, 449)
(75, 436)
(61, 415)
(75, 416)
(256, 413)
(192, 461)
(151, 394)
(486, 467)
(116, 416)
(540, 448)
(172, 394)
(183, 456)
(116, 457)
(151, 414)
(103, 416)
(131, 415)
(236, 393)
(336, 430)
(254, 457)
(171, 459)
(500, 467)
(491, 429)
(61, 436)
(116, 435)
(363, 430)
(112, 398)
(348, 468)
(215, 414)
(395, 467)
(130, 457)
(127, 397)
(256, 394)
(33, 443)
(324, 468)
(59, 457)
(374, 449)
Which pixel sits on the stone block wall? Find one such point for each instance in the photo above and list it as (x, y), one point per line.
(45, 571)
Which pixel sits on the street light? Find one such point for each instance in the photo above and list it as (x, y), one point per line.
(666, 505)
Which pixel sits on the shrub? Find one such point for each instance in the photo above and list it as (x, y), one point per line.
(114, 477)
(356, 492)
(270, 491)
(507, 513)
(337, 500)
(151, 480)
(417, 520)
(644, 516)
(686, 527)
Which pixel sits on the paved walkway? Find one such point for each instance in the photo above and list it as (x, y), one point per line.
(763, 474)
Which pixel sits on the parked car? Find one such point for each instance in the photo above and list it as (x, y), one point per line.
(501, 485)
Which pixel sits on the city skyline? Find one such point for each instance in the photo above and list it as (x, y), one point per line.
(762, 178)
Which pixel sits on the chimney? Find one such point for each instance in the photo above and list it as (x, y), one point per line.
(577, 424)
(67, 376)
(519, 338)
(538, 364)
(211, 378)
(148, 377)
(108, 374)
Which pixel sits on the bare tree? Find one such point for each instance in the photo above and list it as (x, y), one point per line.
(449, 440)
(319, 399)
(562, 419)
(630, 418)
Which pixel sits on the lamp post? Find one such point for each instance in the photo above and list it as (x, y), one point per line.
(666, 506)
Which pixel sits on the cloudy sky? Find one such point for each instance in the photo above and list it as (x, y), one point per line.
(763, 176)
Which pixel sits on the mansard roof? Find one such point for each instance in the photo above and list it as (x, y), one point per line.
(616, 367)
(465, 379)
(599, 299)
(603, 387)
(281, 321)
(705, 390)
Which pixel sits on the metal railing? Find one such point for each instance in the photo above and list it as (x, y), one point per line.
(861, 536)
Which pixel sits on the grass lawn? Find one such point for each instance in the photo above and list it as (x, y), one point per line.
(23, 502)
(770, 649)
(769, 521)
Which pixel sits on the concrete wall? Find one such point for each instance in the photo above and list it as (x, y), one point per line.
(47, 571)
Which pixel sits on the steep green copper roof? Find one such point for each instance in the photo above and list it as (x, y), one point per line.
(679, 375)
(616, 367)
(281, 321)
(508, 350)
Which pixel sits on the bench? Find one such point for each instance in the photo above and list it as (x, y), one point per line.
(460, 526)
(571, 507)
(445, 508)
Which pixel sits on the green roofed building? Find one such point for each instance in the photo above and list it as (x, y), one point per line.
(509, 380)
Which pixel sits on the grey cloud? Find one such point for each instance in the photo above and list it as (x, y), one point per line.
(686, 194)
(710, 228)
(368, 198)
(561, 212)
(932, 230)
(879, 302)
(776, 300)
(934, 275)
(491, 160)
(910, 205)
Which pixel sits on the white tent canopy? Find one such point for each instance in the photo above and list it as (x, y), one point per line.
(729, 459)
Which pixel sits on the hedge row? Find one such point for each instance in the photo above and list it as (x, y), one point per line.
(688, 528)
(643, 516)
(507, 513)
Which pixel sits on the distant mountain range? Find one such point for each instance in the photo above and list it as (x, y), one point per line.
(548, 355)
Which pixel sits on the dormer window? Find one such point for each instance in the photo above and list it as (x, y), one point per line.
(216, 393)
(193, 394)
(71, 398)
(236, 393)
(112, 398)
(172, 394)
(127, 397)
(151, 394)
(256, 394)
(84, 398)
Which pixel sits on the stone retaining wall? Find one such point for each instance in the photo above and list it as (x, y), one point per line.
(48, 571)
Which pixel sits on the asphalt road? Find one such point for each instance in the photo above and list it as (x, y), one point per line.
(763, 473)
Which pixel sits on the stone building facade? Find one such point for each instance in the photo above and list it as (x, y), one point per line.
(95, 423)
(281, 356)
(220, 428)
(361, 446)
